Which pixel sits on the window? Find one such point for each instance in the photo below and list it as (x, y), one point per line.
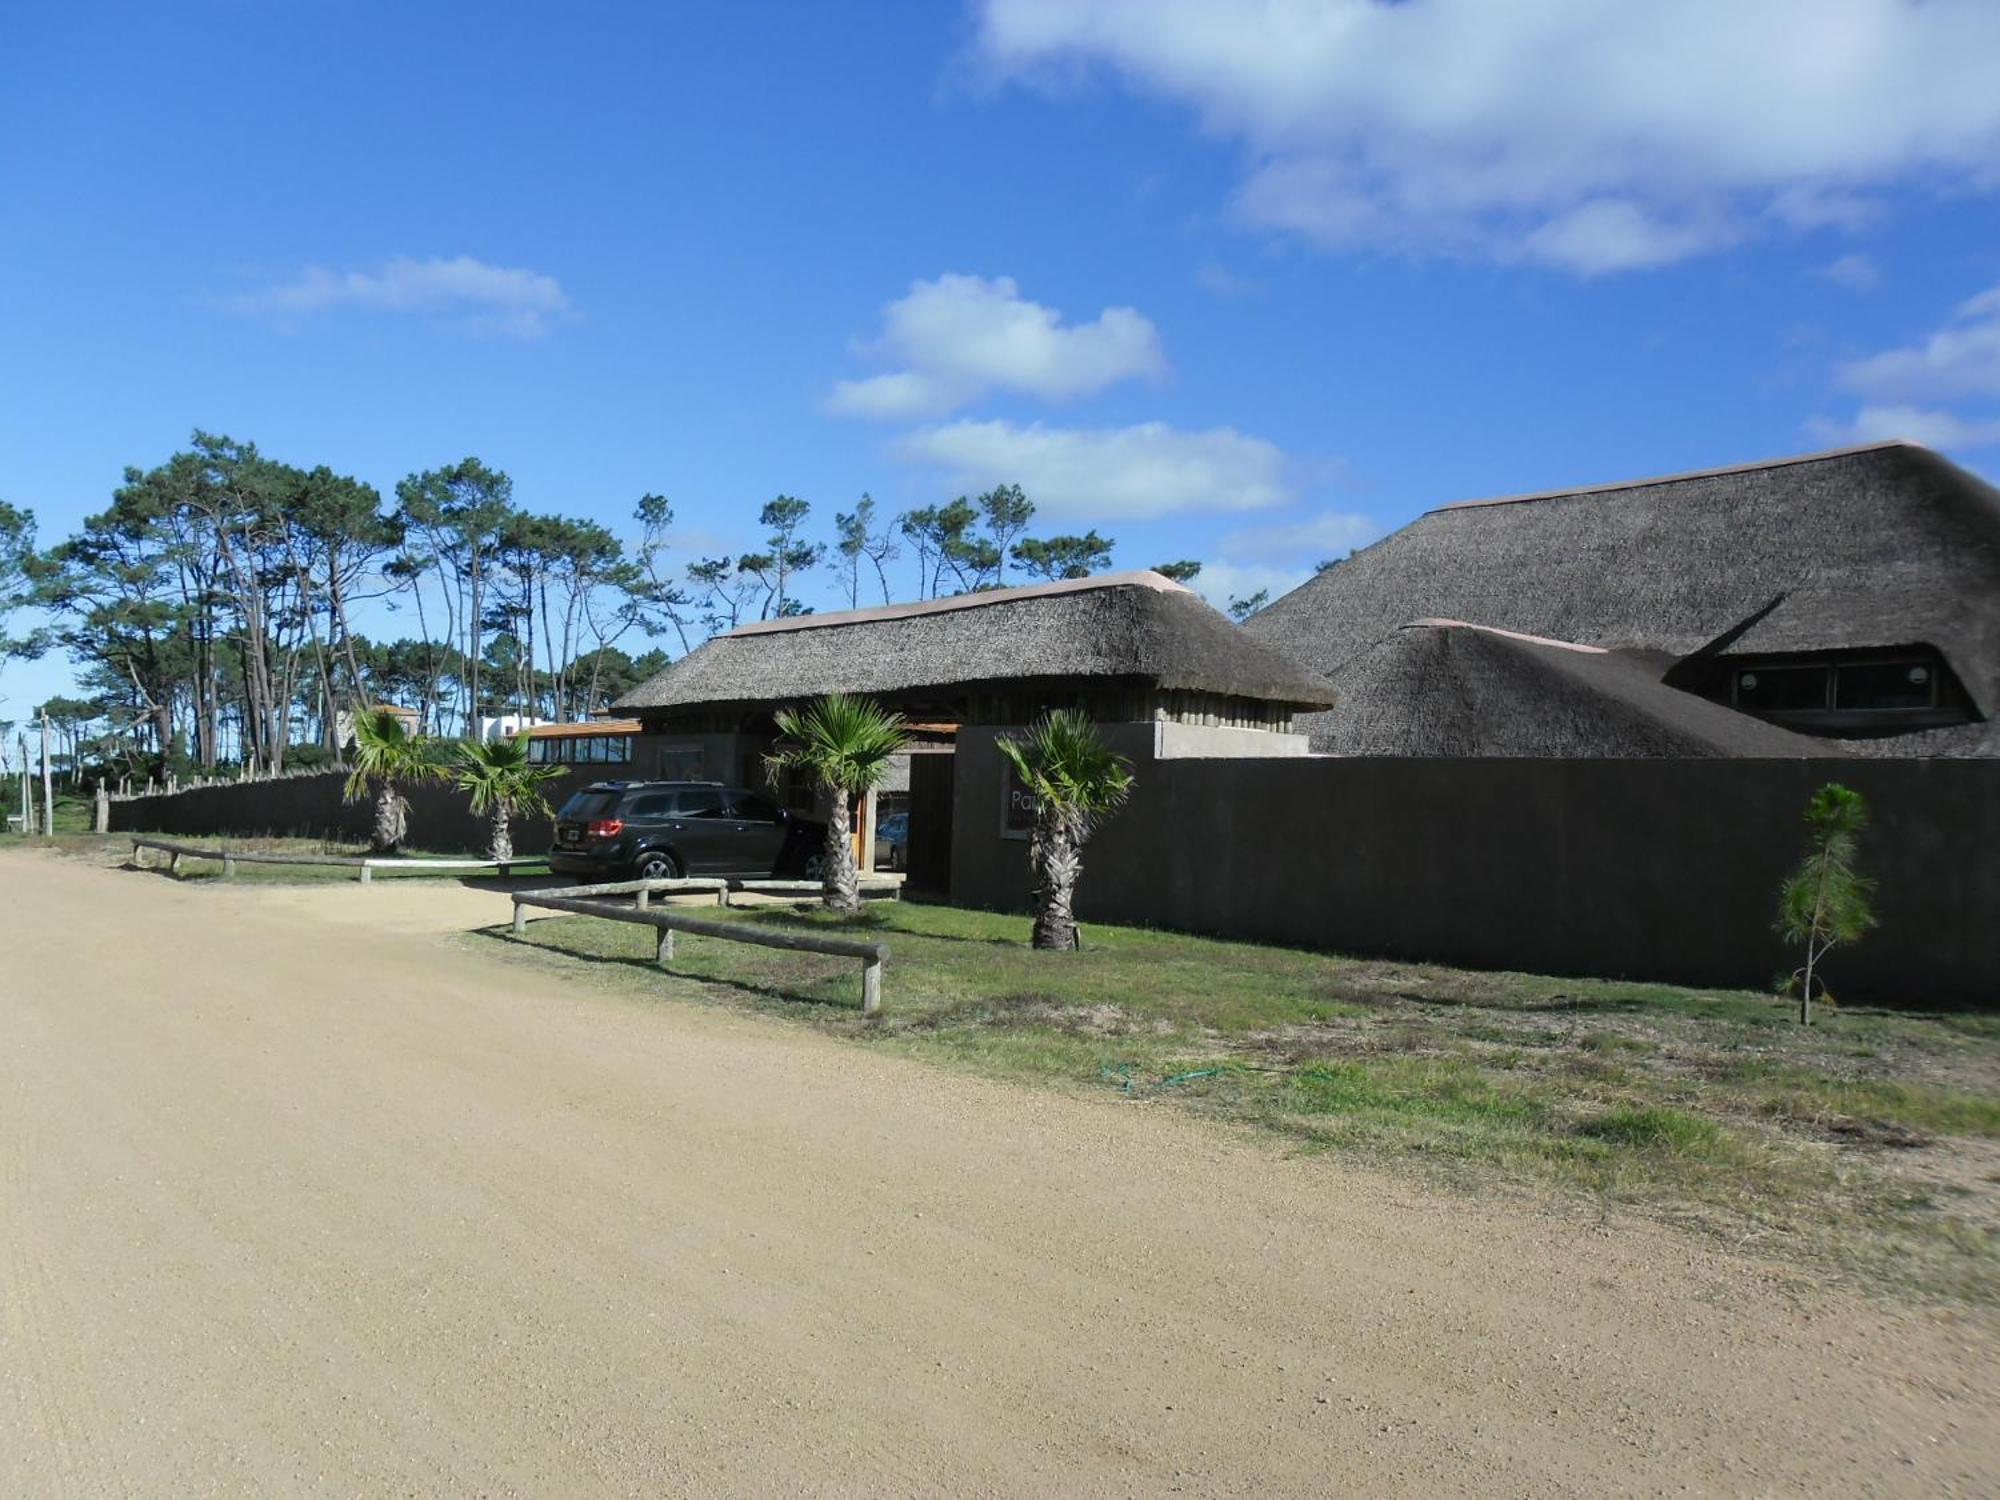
(702, 802)
(1856, 692)
(651, 808)
(1872, 686)
(1782, 689)
(682, 763)
(754, 809)
(582, 749)
(585, 807)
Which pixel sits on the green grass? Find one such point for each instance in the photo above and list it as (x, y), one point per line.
(1843, 1146)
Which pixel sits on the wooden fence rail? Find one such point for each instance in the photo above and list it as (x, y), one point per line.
(366, 865)
(667, 922)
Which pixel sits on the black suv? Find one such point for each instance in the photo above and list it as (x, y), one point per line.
(655, 830)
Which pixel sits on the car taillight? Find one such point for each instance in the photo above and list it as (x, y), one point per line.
(606, 828)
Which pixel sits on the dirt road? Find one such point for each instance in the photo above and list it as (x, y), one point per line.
(290, 1205)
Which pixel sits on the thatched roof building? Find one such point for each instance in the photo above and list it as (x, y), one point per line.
(1851, 596)
(1125, 646)
(1443, 687)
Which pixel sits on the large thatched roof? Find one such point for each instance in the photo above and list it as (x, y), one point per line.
(1886, 545)
(1135, 629)
(1446, 688)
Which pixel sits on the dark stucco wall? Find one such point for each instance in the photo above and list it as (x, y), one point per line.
(1662, 870)
(311, 807)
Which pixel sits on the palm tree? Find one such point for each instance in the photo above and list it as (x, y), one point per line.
(503, 781)
(844, 745)
(1077, 781)
(386, 758)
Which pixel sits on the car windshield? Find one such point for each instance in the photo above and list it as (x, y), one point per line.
(585, 806)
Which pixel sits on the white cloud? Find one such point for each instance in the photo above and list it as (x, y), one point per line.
(1224, 282)
(960, 337)
(1933, 428)
(1330, 534)
(1221, 581)
(1901, 387)
(1960, 359)
(1093, 474)
(1281, 556)
(467, 293)
(1858, 273)
(1597, 136)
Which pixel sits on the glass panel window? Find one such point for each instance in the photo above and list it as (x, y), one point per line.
(1782, 689)
(682, 763)
(1884, 684)
(657, 805)
(703, 802)
(754, 809)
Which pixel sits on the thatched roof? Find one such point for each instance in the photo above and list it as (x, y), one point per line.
(1446, 688)
(1885, 545)
(1132, 629)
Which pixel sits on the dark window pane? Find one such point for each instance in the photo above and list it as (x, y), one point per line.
(754, 809)
(703, 802)
(653, 806)
(586, 806)
(1884, 684)
(682, 764)
(1782, 689)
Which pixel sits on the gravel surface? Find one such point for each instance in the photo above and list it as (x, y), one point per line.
(299, 1196)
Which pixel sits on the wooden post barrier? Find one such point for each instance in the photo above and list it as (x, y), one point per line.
(363, 865)
(668, 922)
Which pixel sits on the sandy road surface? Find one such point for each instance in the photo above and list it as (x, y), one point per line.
(287, 1207)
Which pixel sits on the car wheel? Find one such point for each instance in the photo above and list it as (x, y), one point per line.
(815, 866)
(657, 864)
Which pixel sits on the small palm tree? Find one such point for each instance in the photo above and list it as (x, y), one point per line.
(844, 745)
(387, 757)
(1077, 781)
(1825, 900)
(503, 780)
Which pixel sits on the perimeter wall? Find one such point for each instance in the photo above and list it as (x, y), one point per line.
(310, 807)
(1639, 869)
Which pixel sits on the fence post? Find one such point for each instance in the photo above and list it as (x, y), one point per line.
(666, 948)
(645, 900)
(174, 864)
(228, 867)
(520, 919)
(366, 871)
(103, 819)
(871, 986)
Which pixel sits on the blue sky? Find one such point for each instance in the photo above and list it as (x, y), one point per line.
(1246, 284)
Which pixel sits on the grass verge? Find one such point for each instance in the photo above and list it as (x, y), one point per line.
(1867, 1146)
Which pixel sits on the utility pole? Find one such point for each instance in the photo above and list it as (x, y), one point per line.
(48, 786)
(27, 800)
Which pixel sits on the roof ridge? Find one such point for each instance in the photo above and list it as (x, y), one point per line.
(1144, 578)
(1512, 635)
(1685, 474)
